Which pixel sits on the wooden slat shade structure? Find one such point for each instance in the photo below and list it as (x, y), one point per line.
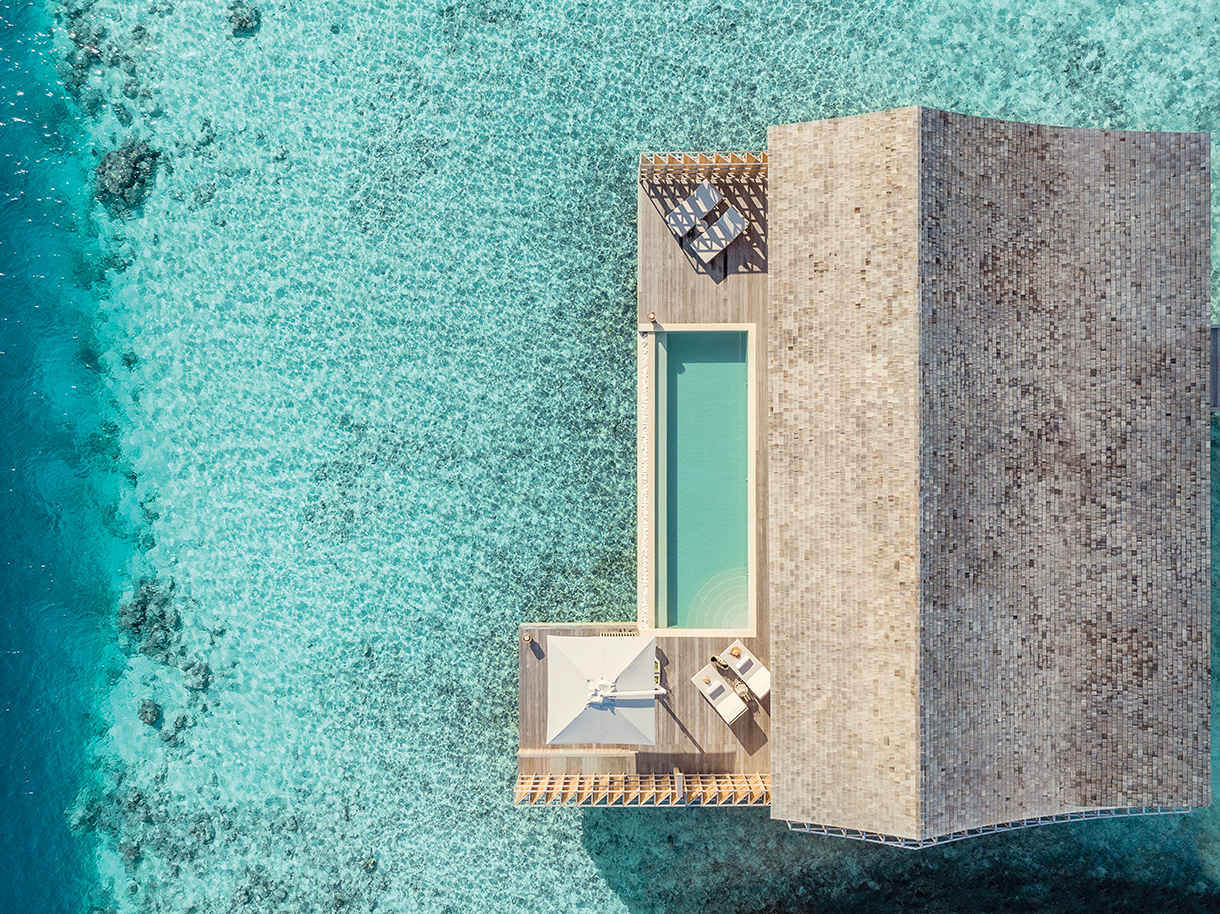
(643, 790)
(687, 166)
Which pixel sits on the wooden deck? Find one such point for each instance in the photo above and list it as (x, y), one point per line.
(676, 286)
(679, 289)
(691, 736)
(698, 759)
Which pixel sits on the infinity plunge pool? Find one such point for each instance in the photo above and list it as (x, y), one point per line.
(700, 445)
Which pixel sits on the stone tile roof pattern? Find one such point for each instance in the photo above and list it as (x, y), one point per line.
(989, 471)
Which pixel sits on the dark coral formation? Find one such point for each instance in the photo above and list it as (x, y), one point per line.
(130, 852)
(173, 734)
(152, 620)
(204, 194)
(95, 50)
(76, 67)
(124, 174)
(244, 18)
(150, 712)
(197, 676)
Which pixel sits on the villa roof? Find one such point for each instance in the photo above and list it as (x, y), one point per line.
(988, 471)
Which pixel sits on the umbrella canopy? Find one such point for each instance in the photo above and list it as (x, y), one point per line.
(601, 690)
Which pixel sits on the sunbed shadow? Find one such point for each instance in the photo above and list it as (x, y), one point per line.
(748, 252)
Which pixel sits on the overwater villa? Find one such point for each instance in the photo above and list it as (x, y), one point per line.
(923, 488)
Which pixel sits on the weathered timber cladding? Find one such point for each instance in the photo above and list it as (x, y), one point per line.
(989, 471)
(1064, 469)
(843, 480)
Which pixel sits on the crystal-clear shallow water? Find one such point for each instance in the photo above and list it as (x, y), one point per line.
(371, 339)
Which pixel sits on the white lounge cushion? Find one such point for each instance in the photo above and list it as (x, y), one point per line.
(718, 691)
(748, 667)
(719, 236)
(693, 208)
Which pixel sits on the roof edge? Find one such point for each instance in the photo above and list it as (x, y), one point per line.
(1121, 812)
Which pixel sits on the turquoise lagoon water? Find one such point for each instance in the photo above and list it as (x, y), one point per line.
(702, 494)
(297, 439)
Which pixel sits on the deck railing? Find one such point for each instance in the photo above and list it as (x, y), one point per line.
(696, 166)
(643, 789)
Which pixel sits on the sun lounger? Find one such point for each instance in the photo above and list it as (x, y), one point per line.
(696, 206)
(746, 665)
(716, 689)
(719, 236)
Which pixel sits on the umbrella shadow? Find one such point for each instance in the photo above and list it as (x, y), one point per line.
(681, 726)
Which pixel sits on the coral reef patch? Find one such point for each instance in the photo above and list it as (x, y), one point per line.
(124, 175)
(244, 19)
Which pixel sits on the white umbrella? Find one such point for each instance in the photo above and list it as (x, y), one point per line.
(601, 690)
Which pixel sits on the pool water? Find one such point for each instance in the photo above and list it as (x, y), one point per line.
(703, 488)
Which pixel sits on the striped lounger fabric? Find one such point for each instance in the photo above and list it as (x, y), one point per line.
(695, 207)
(719, 236)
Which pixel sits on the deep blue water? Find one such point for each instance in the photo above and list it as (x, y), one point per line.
(50, 593)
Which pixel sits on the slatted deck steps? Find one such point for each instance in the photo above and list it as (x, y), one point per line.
(643, 790)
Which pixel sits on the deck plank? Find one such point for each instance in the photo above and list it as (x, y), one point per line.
(690, 736)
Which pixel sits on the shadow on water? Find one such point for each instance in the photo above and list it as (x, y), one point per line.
(704, 860)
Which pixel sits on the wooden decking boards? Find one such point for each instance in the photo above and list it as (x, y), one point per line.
(675, 285)
(691, 736)
(698, 759)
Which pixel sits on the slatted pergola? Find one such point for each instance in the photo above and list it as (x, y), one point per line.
(699, 166)
(675, 789)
